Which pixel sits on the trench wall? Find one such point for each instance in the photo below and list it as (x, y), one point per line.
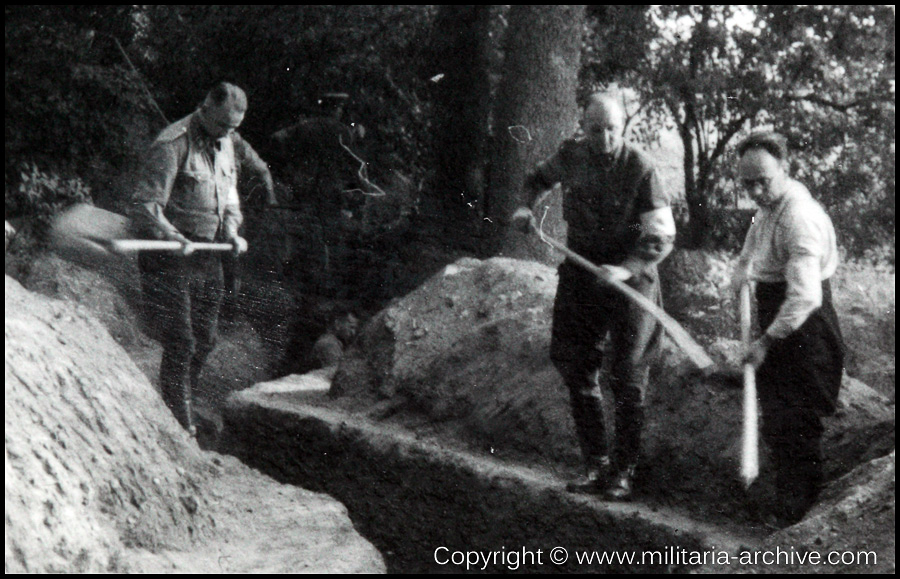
(412, 498)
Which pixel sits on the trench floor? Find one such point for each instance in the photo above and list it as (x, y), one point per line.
(429, 507)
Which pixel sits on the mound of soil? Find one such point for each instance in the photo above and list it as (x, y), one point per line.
(865, 300)
(466, 354)
(111, 291)
(100, 477)
(464, 358)
(850, 530)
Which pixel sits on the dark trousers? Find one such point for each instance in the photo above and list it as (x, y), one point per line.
(182, 298)
(798, 384)
(583, 314)
(231, 270)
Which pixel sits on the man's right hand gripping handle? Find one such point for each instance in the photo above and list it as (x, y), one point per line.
(187, 246)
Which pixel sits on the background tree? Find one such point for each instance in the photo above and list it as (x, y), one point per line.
(713, 72)
(458, 67)
(534, 112)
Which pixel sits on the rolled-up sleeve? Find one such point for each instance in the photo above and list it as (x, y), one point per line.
(805, 248)
(657, 235)
(657, 224)
(152, 190)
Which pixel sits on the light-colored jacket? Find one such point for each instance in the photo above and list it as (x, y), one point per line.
(188, 187)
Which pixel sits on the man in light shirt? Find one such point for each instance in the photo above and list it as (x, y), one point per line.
(187, 192)
(617, 215)
(790, 253)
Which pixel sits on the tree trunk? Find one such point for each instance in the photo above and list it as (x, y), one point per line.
(460, 81)
(699, 214)
(534, 112)
(695, 195)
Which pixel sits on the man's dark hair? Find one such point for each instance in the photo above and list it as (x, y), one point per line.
(774, 143)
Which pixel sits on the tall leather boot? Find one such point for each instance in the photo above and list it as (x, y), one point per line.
(621, 487)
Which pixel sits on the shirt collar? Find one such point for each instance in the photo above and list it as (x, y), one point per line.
(792, 189)
(608, 160)
(201, 137)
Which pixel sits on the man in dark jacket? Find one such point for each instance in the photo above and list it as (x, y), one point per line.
(618, 216)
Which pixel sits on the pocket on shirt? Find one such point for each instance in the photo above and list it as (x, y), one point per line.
(199, 190)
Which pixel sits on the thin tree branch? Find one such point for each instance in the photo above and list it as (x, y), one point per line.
(727, 133)
(140, 79)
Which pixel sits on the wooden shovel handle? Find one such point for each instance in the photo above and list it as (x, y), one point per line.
(750, 431)
(676, 331)
(125, 246)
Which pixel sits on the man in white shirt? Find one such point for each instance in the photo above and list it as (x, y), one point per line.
(790, 253)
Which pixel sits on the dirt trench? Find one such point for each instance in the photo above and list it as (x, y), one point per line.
(446, 427)
(421, 501)
(101, 478)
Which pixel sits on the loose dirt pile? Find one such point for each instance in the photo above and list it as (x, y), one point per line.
(464, 360)
(466, 355)
(112, 294)
(100, 477)
(850, 530)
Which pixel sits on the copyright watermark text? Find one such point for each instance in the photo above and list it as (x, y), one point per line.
(514, 559)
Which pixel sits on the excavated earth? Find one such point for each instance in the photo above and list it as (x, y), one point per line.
(445, 431)
(446, 427)
(100, 477)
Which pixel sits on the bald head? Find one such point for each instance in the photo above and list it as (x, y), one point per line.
(604, 124)
(223, 109)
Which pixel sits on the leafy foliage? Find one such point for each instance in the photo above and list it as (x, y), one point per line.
(41, 194)
(70, 108)
(823, 75)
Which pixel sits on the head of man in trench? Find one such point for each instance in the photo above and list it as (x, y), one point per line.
(763, 167)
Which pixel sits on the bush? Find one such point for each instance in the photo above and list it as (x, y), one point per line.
(72, 106)
(39, 195)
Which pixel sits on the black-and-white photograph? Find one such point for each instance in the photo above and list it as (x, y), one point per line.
(450, 289)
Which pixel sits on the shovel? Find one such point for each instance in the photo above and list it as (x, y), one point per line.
(96, 237)
(676, 331)
(126, 246)
(750, 433)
